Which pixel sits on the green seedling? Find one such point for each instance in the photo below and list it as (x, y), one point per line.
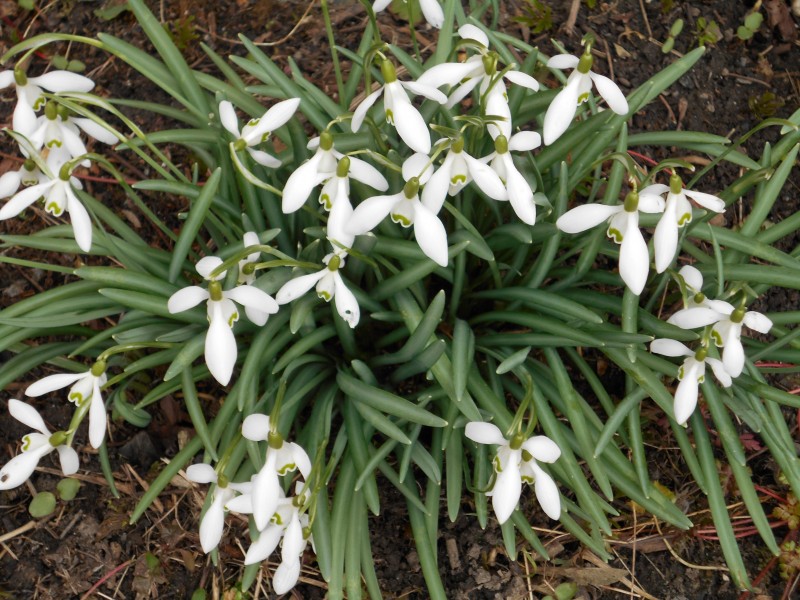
(674, 32)
(538, 16)
(43, 504)
(751, 24)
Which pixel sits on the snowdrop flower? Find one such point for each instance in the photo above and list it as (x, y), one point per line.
(399, 111)
(678, 212)
(623, 228)
(59, 196)
(727, 324)
(690, 374)
(456, 171)
(257, 130)
(56, 128)
(220, 347)
(282, 458)
(28, 174)
(322, 167)
(329, 285)
(213, 521)
(514, 463)
(406, 209)
(518, 191)
(295, 540)
(30, 97)
(479, 70)
(34, 447)
(579, 83)
(431, 10)
(693, 282)
(85, 388)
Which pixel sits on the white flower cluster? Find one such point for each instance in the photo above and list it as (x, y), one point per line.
(276, 516)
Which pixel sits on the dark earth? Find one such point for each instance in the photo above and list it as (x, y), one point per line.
(86, 549)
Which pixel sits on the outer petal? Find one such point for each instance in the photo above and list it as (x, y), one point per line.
(241, 504)
(45, 386)
(300, 458)
(265, 544)
(300, 183)
(97, 417)
(472, 32)
(669, 347)
(524, 140)
(610, 93)
(484, 433)
(227, 116)
(20, 468)
(379, 5)
(256, 427)
(665, 238)
(563, 61)
(264, 158)
(433, 14)
(63, 81)
(410, 125)
(506, 491)
(650, 203)
(220, 349)
(585, 217)
(24, 199)
(418, 165)
(24, 119)
(372, 211)
(542, 448)
(561, 111)
(430, 234)
(364, 172)
(206, 265)
(485, 178)
(448, 73)
(213, 523)
(275, 117)
(6, 79)
(428, 91)
(186, 298)
(69, 460)
(361, 109)
(346, 303)
(634, 259)
(685, 398)
(95, 130)
(463, 90)
(692, 278)
(294, 288)
(520, 195)
(27, 415)
(719, 371)
(733, 356)
(266, 492)
(435, 190)
(201, 473)
(692, 318)
(9, 183)
(707, 201)
(546, 492)
(286, 576)
(523, 79)
(81, 223)
(253, 297)
(755, 320)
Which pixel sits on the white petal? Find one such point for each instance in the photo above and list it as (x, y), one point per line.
(719, 371)
(300, 458)
(300, 183)
(201, 473)
(17, 471)
(448, 73)
(286, 576)
(81, 222)
(6, 79)
(522, 79)
(265, 544)
(610, 93)
(293, 542)
(733, 356)
(542, 448)
(472, 32)
(524, 140)
(484, 433)
(432, 12)
(68, 459)
(186, 298)
(266, 492)
(692, 278)
(685, 398)
(669, 347)
(364, 172)
(24, 199)
(485, 178)
(427, 91)
(665, 239)
(506, 491)
(379, 5)
(435, 190)
(563, 61)
(372, 211)
(95, 130)
(418, 165)
(561, 111)
(755, 320)
(49, 384)
(585, 217)
(274, 118)
(546, 493)
(220, 348)
(9, 183)
(248, 295)
(463, 90)
(63, 81)
(207, 264)
(264, 158)
(520, 195)
(241, 504)
(430, 234)
(26, 414)
(361, 109)
(97, 418)
(634, 259)
(658, 189)
(227, 116)
(707, 201)
(346, 303)
(256, 427)
(410, 125)
(692, 318)
(294, 288)
(213, 523)
(497, 106)
(650, 203)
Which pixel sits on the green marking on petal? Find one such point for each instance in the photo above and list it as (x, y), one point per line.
(233, 318)
(717, 338)
(287, 468)
(324, 295)
(497, 467)
(684, 219)
(527, 479)
(456, 179)
(40, 101)
(56, 143)
(265, 137)
(325, 200)
(389, 116)
(701, 379)
(583, 97)
(26, 443)
(402, 220)
(616, 234)
(54, 209)
(253, 122)
(680, 372)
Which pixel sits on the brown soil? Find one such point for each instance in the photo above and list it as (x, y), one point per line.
(87, 544)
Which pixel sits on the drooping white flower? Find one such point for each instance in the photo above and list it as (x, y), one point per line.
(329, 285)
(213, 521)
(515, 462)
(28, 174)
(322, 167)
(30, 97)
(58, 193)
(431, 10)
(727, 324)
(57, 128)
(220, 346)
(623, 228)
(480, 71)
(281, 458)
(85, 388)
(399, 111)
(518, 190)
(690, 374)
(678, 212)
(562, 109)
(34, 446)
(693, 282)
(406, 208)
(257, 130)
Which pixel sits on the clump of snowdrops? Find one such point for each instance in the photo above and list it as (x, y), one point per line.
(408, 284)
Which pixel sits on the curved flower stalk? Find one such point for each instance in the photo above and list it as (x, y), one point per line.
(406, 119)
(690, 374)
(456, 171)
(431, 10)
(322, 167)
(623, 228)
(58, 194)
(677, 213)
(220, 346)
(579, 84)
(518, 190)
(479, 70)
(213, 521)
(515, 462)
(34, 447)
(329, 285)
(727, 324)
(257, 130)
(85, 388)
(281, 458)
(30, 97)
(406, 209)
